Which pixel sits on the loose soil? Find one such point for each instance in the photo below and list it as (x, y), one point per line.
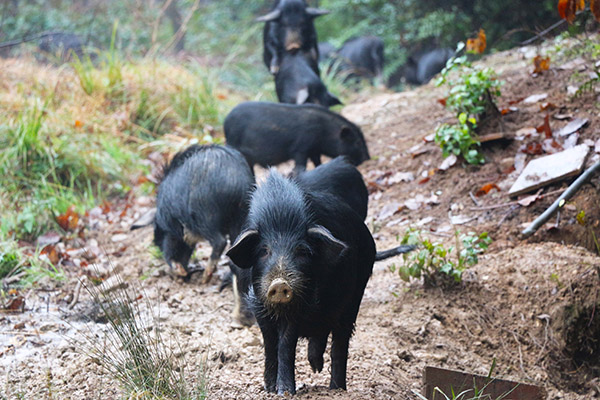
(531, 305)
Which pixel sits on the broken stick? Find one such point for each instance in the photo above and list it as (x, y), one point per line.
(539, 221)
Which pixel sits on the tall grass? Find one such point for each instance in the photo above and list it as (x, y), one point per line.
(134, 351)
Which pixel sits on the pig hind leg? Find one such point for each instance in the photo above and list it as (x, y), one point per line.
(218, 243)
(339, 357)
(316, 348)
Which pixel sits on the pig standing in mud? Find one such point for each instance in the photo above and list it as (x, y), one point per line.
(270, 133)
(310, 256)
(289, 28)
(204, 194)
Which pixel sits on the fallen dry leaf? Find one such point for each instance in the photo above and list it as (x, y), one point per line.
(50, 252)
(573, 126)
(545, 127)
(533, 148)
(68, 221)
(526, 201)
(448, 162)
(551, 146)
(16, 303)
(485, 189)
(477, 45)
(534, 98)
(540, 64)
(547, 106)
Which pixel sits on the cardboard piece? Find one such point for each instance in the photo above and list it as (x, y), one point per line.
(549, 169)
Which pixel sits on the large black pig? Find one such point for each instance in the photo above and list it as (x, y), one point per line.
(310, 257)
(204, 194)
(362, 57)
(271, 133)
(340, 178)
(289, 28)
(297, 83)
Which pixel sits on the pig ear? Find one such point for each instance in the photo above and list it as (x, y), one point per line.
(302, 96)
(272, 16)
(332, 100)
(316, 12)
(242, 251)
(332, 247)
(144, 220)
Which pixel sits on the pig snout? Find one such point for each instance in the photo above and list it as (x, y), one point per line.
(293, 41)
(279, 292)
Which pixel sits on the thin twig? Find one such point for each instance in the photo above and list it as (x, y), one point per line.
(474, 199)
(14, 278)
(76, 295)
(506, 214)
(512, 203)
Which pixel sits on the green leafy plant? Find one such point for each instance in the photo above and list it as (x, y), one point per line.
(458, 140)
(434, 261)
(471, 96)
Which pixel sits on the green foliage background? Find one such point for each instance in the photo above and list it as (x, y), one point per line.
(406, 26)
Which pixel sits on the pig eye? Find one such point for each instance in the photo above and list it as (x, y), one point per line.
(264, 252)
(303, 251)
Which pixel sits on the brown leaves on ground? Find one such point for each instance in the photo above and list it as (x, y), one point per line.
(540, 64)
(68, 221)
(477, 45)
(485, 189)
(545, 127)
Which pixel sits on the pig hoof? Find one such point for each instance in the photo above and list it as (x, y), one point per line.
(316, 363)
(274, 69)
(206, 277)
(178, 270)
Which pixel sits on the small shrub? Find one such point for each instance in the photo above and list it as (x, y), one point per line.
(434, 261)
(471, 97)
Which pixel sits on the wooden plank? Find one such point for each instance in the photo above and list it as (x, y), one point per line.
(490, 137)
(448, 381)
(549, 169)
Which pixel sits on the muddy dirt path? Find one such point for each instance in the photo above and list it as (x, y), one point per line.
(511, 306)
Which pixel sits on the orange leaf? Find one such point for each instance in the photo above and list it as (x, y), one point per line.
(51, 253)
(545, 127)
(540, 64)
(595, 9)
(567, 9)
(485, 189)
(504, 111)
(443, 101)
(424, 180)
(533, 148)
(16, 303)
(78, 123)
(478, 44)
(69, 220)
(547, 106)
(221, 96)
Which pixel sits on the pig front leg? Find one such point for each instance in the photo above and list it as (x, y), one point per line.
(271, 341)
(286, 379)
(339, 357)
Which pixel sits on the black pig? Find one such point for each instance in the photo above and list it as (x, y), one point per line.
(297, 83)
(310, 257)
(61, 44)
(420, 68)
(362, 56)
(271, 133)
(341, 179)
(289, 27)
(204, 194)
